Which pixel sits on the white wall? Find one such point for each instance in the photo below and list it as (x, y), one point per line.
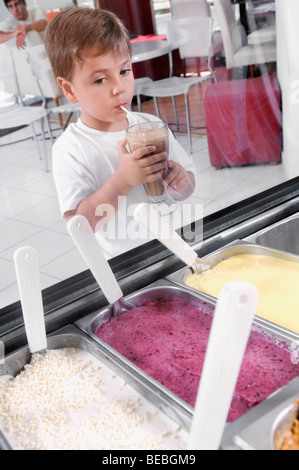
(287, 20)
(52, 4)
(3, 11)
(57, 4)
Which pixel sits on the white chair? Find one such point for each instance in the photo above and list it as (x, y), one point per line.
(179, 32)
(138, 84)
(40, 66)
(237, 52)
(18, 114)
(266, 34)
(257, 35)
(191, 9)
(27, 84)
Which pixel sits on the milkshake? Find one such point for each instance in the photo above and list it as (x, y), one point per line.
(146, 134)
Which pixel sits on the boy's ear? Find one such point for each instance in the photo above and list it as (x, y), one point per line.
(67, 89)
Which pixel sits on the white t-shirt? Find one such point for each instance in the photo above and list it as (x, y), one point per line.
(84, 159)
(10, 24)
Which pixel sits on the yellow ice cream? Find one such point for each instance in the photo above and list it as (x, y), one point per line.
(277, 281)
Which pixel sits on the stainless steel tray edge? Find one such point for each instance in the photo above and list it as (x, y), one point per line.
(252, 238)
(252, 431)
(85, 323)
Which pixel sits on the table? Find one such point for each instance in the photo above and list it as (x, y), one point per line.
(147, 50)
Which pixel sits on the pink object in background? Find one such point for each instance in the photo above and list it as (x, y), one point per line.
(243, 122)
(149, 37)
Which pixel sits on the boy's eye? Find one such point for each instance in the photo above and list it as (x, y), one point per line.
(100, 80)
(125, 71)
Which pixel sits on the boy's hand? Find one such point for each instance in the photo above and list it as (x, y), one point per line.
(136, 168)
(178, 183)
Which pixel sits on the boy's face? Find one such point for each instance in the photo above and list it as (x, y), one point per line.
(101, 84)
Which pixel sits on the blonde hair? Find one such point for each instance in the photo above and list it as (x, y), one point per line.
(76, 30)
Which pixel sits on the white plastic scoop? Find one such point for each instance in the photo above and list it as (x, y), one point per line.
(154, 223)
(87, 244)
(228, 338)
(28, 278)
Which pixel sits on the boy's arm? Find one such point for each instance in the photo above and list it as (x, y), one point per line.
(134, 169)
(107, 196)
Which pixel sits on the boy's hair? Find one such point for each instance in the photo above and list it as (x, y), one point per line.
(7, 1)
(77, 30)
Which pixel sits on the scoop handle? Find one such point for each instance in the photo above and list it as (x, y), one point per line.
(28, 279)
(89, 247)
(154, 223)
(228, 338)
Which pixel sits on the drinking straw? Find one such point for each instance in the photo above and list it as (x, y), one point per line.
(133, 116)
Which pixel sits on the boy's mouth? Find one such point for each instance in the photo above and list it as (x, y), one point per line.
(121, 106)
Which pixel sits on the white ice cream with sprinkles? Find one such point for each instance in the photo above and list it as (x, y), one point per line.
(67, 399)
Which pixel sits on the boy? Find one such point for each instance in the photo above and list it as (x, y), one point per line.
(95, 175)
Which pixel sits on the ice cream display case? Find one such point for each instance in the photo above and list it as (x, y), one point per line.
(76, 313)
(165, 409)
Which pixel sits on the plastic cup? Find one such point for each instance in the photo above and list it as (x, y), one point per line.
(147, 134)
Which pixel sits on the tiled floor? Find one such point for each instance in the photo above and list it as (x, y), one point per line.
(29, 213)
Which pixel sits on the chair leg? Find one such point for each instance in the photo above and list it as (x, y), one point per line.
(139, 103)
(67, 121)
(175, 113)
(45, 155)
(198, 65)
(157, 107)
(188, 122)
(36, 141)
(56, 101)
(49, 129)
(211, 69)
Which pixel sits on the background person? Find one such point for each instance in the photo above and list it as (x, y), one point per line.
(21, 22)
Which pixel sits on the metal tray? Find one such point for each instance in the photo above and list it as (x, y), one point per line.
(159, 289)
(254, 430)
(166, 289)
(238, 247)
(70, 336)
(279, 236)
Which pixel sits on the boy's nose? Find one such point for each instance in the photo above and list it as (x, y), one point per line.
(118, 87)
